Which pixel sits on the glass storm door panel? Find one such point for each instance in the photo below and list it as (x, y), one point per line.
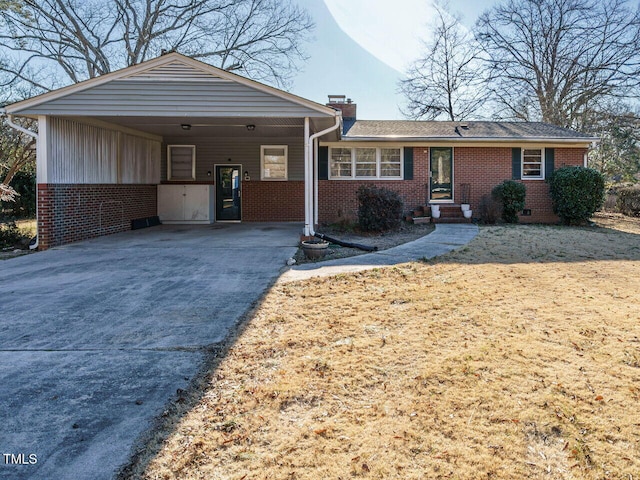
(228, 191)
(441, 175)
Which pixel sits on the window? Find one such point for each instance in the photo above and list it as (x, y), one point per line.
(365, 163)
(532, 163)
(181, 162)
(341, 163)
(390, 162)
(273, 162)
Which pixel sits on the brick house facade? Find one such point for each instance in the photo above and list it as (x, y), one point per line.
(194, 144)
(480, 167)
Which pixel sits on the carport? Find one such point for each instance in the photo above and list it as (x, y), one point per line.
(177, 138)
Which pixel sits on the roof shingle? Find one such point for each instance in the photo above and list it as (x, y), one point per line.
(409, 129)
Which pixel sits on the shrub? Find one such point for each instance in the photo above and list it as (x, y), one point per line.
(490, 210)
(379, 209)
(10, 235)
(511, 195)
(577, 193)
(628, 202)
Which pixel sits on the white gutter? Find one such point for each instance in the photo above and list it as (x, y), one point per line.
(311, 174)
(21, 129)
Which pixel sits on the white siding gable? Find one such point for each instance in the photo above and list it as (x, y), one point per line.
(170, 86)
(175, 71)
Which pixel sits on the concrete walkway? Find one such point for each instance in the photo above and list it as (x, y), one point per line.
(445, 238)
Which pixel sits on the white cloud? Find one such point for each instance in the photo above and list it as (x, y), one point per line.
(388, 29)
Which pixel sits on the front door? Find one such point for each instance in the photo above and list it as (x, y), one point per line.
(441, 175)
(228, 193)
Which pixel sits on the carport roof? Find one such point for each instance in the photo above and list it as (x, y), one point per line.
(171, 85)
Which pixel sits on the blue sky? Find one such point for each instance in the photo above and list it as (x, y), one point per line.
(361, 47)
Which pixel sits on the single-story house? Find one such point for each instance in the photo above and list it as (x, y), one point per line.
(191, 143)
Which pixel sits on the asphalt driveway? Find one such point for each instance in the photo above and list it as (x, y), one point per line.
(97, 336)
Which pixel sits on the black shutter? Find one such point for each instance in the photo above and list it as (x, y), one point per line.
(323, 163)
(516, 163)
(549, 161)
(408, 163)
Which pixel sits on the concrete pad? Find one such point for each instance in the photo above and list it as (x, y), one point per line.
(445, 238)
(96, 336)
(77, 411)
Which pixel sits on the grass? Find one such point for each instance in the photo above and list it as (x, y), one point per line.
(28, 227)
(517, 356)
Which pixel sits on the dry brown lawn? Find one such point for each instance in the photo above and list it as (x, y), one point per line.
(517, 356)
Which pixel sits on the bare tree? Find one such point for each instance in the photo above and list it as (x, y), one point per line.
(617, 156)
(7, 194)
(17, 150)
(446, 82)
(49, 43)
(559, 60)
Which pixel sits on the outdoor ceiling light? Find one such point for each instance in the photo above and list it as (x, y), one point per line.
(186, 126)
(251, 128)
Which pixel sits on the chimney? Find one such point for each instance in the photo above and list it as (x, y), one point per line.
(345, 105)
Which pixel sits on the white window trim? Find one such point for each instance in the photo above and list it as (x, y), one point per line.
(378, 163)
(286, 163)
(193, 163)
(542, 164)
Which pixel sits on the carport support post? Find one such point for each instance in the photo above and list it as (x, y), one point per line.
(42, 151)
(308, 182)
(314, 146)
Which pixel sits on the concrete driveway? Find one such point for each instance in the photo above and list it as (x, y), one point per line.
(97, 336)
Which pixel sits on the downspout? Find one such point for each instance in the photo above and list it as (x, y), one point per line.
(21, 129)
(312, 195)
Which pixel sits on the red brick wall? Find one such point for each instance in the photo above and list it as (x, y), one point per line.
(69, 213)
(481, 167)
(485, 167)
(337, 198)
(273, 201)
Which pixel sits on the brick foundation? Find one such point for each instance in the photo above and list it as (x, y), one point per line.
(69, 213)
